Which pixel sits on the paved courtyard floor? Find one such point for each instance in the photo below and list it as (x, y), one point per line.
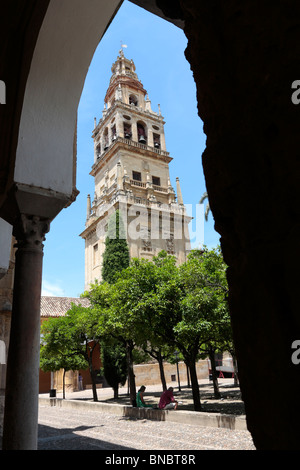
(63, 429)
(66, 429)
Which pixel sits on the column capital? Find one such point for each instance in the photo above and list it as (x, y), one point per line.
(30, 232)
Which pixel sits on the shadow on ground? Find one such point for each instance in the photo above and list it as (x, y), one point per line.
(230, 401)
(70, 439)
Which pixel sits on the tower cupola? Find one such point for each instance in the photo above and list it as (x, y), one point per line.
(124, 84)
(127, 112)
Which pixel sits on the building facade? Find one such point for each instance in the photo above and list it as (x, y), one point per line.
(56, 307)
(131, 173)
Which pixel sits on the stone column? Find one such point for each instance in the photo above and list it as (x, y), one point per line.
(22, 381)
(150, 142)
(88, 207)
(119, 176)
(134, 130)
(163, 142)
(119, 125)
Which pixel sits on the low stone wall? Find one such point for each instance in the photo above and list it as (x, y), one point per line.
(145, 374)
(148, 374)
(216, 420)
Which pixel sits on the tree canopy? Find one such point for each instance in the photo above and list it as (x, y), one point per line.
(70, 341)
(154, 304)
(116, 254)
(161, 307)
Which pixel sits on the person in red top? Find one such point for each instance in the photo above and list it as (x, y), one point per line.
(167, 400)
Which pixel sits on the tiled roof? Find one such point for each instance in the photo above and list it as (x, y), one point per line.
(58, 306)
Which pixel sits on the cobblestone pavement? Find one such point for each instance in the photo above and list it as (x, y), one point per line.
(63, 429)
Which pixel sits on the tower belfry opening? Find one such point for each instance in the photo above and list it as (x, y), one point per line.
(131, 173)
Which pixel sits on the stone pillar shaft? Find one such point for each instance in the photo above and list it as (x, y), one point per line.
(22, 381)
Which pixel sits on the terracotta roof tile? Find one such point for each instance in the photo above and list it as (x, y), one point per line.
(58, 306)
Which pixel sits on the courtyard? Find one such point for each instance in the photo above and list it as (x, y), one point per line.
(84, 429)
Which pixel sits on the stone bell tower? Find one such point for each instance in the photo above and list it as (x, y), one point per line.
(131, 173)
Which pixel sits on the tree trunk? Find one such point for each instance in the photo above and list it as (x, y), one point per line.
(188, 376)
(235, 370)
(131, 376)
(195, 386)
(64, 387)
(116, 391)
(214, 373)
(93, 378)
(161, 371)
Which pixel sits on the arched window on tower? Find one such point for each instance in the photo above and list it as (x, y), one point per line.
(156, 141)
(105, 139)
(142, 135)
(98, 150)
(127, 131)
(113, 133)
(133, 100)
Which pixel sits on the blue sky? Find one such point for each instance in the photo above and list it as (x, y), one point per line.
(157, 49)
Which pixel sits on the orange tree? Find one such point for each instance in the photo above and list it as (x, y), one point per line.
(69, 342)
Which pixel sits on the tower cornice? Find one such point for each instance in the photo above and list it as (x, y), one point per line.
(123, 80)
(130, 146)
(135, 111)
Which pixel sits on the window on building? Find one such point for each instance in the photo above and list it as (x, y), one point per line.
(137, 176)
(98, 150)
(127, 131)
(113, 133)
(142, 135)
(105, 138)
(156, 141)
(133, 100)
(156, 180)
(95, 255)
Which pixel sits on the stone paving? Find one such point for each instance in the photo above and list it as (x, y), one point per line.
(64, 429)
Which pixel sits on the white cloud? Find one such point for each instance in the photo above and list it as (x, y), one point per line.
(53, 290)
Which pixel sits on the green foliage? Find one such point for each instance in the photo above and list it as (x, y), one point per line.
(114, 361)
(157, 303)
(116, 254)
(69, 342)
(115, 259)
(160, 307)
(206, 294)
(58, 350)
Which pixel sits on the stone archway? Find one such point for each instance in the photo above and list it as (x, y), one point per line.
(244, 58)
(42, 182)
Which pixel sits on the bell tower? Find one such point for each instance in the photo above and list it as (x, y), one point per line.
(131, 173)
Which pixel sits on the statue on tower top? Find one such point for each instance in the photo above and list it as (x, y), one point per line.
(121, 51)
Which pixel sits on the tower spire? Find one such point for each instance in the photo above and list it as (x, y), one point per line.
(179, 194)
(88, 207)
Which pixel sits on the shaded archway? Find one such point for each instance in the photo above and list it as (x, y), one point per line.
(244, 59)
(41, 178)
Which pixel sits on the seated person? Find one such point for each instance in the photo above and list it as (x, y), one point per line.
(140, 402)
(167, 400)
